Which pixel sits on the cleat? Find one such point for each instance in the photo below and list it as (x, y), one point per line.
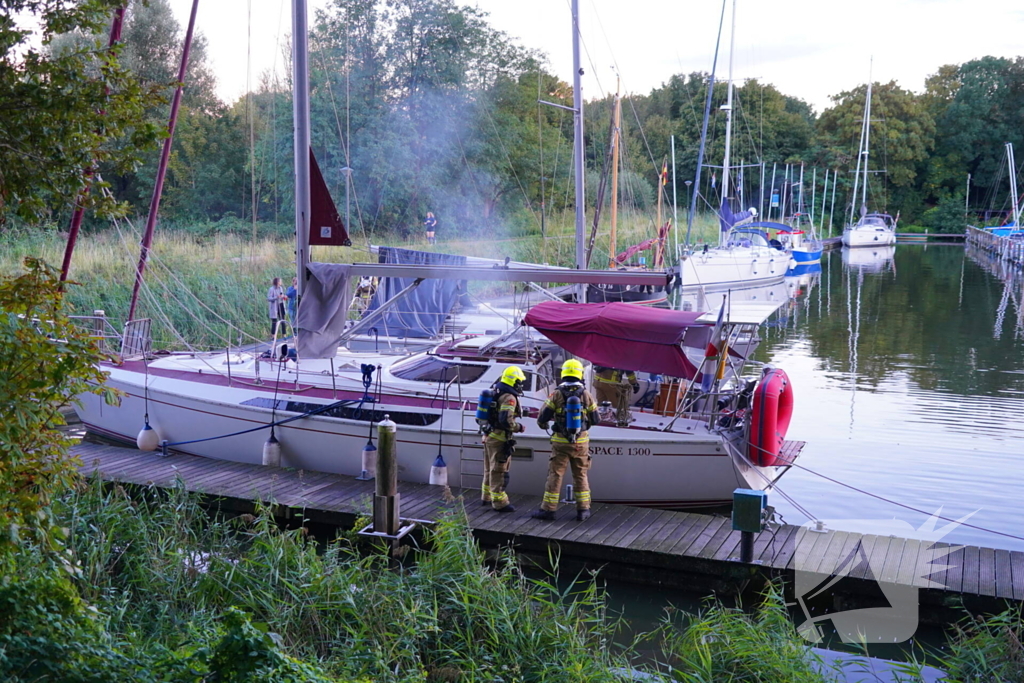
(582, 515)
(546, 515)
(507, 508)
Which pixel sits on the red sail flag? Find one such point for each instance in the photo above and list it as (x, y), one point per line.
(325, 225)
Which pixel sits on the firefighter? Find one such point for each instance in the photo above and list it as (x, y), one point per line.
(611, 385)
(571, 411)
(502, 423)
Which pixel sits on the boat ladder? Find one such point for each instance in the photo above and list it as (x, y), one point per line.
(471, 465)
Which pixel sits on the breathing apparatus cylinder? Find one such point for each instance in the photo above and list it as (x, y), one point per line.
(483, 407)
(573, 417)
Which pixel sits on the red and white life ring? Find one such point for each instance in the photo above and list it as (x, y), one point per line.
(769, 417)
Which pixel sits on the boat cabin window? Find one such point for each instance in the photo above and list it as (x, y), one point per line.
(434, 369)
(748, 239)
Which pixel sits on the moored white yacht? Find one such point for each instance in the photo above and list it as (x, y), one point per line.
(872, 229)
(693, 452)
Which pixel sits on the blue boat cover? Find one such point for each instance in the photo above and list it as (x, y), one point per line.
(421, 314)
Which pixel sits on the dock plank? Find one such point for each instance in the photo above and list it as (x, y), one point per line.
(972, 557)
(862, 569)
(829, 560)
(697, 543)
(675, 526)
(627, 528)
(1004, 575)
(954, 579)
(635, 541)
(909, 569)
(781, 556)
(893, 556)
(987, 572)
(1017, 572)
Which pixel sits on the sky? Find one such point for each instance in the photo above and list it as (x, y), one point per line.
(811, 49)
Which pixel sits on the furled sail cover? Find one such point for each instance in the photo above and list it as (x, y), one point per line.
(323, 310)
(619, 335)
(420, 314)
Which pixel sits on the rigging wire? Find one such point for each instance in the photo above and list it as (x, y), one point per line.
(909, 507)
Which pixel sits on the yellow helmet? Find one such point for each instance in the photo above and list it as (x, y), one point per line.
(572, 368)
(512, 375)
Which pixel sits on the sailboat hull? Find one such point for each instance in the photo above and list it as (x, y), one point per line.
(631, 466)
(868, 237)
(738, 267)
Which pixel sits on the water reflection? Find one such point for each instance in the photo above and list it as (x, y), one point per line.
(909, 387)
(871, 259)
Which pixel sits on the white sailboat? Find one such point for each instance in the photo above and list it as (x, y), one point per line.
(712, 429)
(873, 229)
(742, 259)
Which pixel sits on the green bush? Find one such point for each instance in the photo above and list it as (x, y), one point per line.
(947, 217)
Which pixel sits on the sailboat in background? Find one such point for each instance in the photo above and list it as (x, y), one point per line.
(616, 260)
(745, 257)
(873, 229)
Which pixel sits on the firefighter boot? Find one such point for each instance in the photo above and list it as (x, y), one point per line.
(582, 515)
(546, 515)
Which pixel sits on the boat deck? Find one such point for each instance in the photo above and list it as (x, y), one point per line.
(661, 547)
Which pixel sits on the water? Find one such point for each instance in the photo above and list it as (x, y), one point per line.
(908, 370)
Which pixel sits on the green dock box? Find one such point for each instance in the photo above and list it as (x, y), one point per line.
(748, 510)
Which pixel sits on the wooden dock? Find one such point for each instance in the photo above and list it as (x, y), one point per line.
(658, 547)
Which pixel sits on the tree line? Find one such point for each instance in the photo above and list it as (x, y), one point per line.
(433, 109)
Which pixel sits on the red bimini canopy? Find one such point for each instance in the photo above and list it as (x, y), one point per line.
(618, 335)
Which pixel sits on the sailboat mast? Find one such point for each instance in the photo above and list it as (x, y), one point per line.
(300, 98)
(728, 109)
(615, 179)
(577, 103)
(867, 145)
(728, 118)
(161, 172)
(1013, 184)
(860, 159)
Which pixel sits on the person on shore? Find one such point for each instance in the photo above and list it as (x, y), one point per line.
(276, 299)
(571, 412)
(293, 299)
(612, 385)
(430, 224)
(502, 423)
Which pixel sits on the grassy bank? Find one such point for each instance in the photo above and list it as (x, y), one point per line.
(153, 588)
(204, 286)
(158, 589)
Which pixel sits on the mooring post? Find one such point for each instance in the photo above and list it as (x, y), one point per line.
(748, 508)
(386, 502)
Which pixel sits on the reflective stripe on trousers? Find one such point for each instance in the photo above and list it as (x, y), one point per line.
(494, 473)
(577, 457)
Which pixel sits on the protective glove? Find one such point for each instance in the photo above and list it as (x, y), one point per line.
(542, 425)
(636, 388)
(520, 428)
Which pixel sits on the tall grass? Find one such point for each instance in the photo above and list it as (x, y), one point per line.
(159, 582)
(206, 288)
(164, 573)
